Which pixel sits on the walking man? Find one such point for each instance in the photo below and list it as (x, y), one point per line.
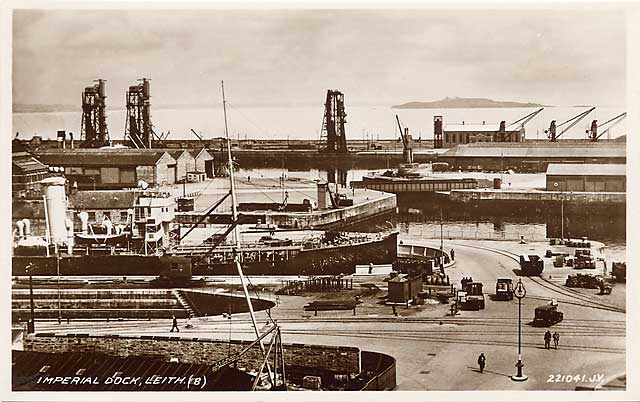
(175, 324)
(556, 339)
(453, 255)
(547, 340)
(481, 362)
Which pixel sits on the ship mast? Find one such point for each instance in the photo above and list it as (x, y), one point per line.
(236, 237)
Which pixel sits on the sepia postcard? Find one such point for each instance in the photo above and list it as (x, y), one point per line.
(222, 197)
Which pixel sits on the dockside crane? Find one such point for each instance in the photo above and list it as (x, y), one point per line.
(551, 132)
(407, 152)
(524, 120)
(593, 131)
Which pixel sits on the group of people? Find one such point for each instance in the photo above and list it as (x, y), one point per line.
(465, 280)
(548, 337)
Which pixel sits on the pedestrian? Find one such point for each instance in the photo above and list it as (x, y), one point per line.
(547, 340)
(556, 339)
(370, 268)
(453, 255)
(481, 362)
(175, 324)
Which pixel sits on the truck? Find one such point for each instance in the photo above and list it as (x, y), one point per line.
(504, 289)
(531, 265)
(619, 271)
(471, 296)
(547, 315)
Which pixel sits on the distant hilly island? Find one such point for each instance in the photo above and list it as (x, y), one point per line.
(463, 103)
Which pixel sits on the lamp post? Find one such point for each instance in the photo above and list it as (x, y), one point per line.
(31, 323)
(520, 292)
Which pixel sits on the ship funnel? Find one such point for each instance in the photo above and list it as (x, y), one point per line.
(20, 225)
(84, 221)
(55, 208)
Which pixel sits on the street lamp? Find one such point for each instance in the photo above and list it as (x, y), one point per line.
(520, 292)
(31, 323)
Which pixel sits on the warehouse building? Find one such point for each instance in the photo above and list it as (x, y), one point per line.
(101, 169)
(455, 134)
(532, 156)
(115, 205)
(203, 162)
(586, 177)
(185, 162)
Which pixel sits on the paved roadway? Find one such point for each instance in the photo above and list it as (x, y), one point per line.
(438, 352)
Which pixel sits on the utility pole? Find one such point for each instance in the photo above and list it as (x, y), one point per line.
(520, 292)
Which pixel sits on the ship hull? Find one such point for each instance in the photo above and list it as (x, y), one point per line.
(322, 261)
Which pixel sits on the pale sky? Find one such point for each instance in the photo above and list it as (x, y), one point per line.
(559, 57)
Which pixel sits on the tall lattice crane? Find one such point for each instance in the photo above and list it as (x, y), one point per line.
(94, 132)
(333, 133)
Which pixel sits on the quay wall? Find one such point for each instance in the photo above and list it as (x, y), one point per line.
(337, 359)
(578, 197)
(536, 202)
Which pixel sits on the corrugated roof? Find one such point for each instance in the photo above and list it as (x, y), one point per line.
(29, 369)
(99, 199)
(586, 169)
(24, 163)
(488, 128)
(538, 150)
(94, 157)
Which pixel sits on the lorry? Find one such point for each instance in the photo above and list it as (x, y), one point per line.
(547, 315)
(471, 296)
(504, 289)
(531, 265)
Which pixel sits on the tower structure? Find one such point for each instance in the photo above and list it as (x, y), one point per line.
(94, 132)
(138, 127)
(333, 133)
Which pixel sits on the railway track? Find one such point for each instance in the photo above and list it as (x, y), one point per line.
(576, 298)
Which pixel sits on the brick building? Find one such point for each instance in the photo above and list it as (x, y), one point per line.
(586, 177)
(99, 169)
(454, 134)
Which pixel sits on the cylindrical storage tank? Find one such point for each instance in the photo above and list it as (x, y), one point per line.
(56, 205)
(497, 183)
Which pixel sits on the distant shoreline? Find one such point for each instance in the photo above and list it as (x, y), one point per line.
(465, 103)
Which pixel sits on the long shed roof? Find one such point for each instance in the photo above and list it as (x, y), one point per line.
(585, 169)
(538, 150)
(102, 157)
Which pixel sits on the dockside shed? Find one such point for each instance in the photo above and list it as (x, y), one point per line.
(586, 177)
